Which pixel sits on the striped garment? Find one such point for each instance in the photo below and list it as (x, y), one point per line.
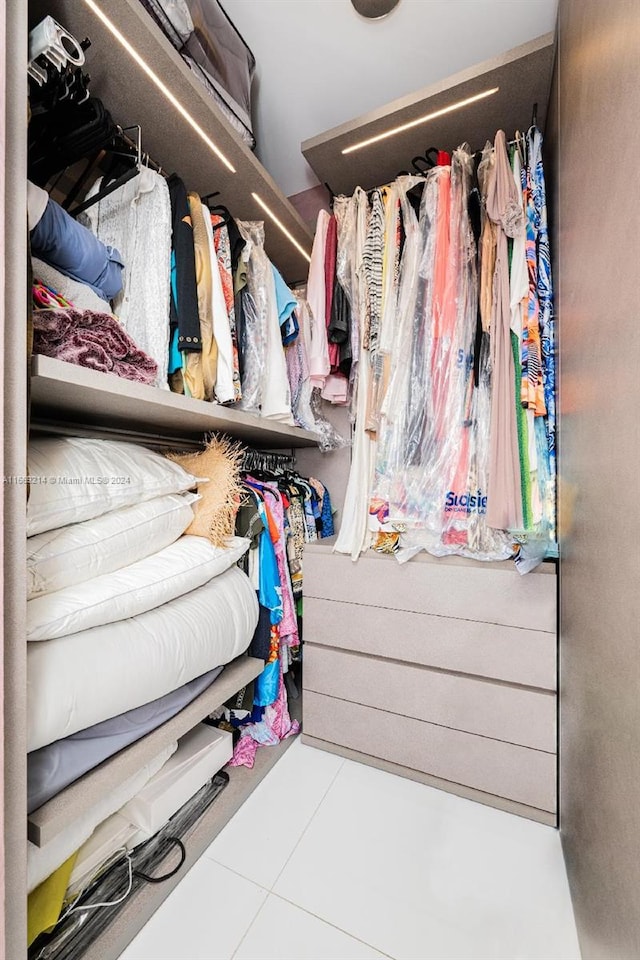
(372, 260)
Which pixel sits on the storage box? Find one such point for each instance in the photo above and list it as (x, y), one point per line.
(200, 754)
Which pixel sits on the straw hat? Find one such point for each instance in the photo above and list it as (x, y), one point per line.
(218, 466)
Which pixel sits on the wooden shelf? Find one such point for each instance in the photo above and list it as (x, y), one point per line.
(143, 905)
(523, 76)
(64, 809)
(63, 393)
(132, 98)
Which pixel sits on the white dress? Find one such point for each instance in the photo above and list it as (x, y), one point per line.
(136, 219)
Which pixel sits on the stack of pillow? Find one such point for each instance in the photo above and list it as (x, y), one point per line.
(128, 618)
(123, 608)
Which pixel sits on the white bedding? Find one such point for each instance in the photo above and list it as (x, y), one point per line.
(79, 680)
(177, 569)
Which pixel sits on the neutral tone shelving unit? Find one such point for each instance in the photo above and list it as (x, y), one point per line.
(64, 396)
(133, 98)
(69, 399)
(441, 670)
(523, 76)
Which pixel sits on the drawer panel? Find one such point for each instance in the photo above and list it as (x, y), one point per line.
(467, 646)
(467, 592)
(524, 717)
(502, 769)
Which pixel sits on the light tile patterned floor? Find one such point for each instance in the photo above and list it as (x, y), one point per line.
(333, 860)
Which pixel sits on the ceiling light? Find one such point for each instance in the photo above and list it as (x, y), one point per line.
(374, 9)
(414, 123)
(159, 84)
(280, 224)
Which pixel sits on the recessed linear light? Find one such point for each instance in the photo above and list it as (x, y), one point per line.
(280, 224)
(159, 84)
(419, 120)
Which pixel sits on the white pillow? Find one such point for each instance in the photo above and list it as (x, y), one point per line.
(61, 558)
(75, 479)
(186, 564)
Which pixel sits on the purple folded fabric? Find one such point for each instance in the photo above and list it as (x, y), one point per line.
(93, 340)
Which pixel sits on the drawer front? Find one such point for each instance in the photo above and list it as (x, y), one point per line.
(502, 769)
(523, 717)
(482, 649)
(444, 590)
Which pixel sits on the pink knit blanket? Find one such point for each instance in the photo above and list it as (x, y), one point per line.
(94, 340)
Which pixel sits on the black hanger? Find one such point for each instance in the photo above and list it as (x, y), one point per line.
(224, 213)
(424, 162)
(210, 196)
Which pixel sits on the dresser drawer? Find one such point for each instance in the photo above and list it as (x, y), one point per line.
(483, 649)
(516, 773)
(496, 710)
(424, 585)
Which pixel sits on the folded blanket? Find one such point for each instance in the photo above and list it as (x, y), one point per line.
(94, 340)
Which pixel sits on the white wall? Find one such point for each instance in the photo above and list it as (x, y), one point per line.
(320, 63)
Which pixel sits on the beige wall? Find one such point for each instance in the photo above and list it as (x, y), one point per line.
(599, 242)
(2, 325)
(13, 431)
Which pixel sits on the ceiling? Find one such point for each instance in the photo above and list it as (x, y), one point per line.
(320, 64)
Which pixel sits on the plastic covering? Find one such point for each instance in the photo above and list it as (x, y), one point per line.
(265, 366)
(306, 402)
(92, 912)
(430, 479)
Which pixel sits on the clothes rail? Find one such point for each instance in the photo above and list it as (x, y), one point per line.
(101, 432)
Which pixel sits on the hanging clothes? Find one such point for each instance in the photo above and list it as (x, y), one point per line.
(184, 318)
(136, 219)
(504, 505)
(318, 347)
(547, 322)
(200, 369)
(222, 246)
(224, 388)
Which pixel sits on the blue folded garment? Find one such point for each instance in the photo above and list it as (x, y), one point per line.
(72, 249)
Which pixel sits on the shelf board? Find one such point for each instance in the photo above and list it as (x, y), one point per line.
(63, 810)
(523, 76)
(72, 395)
(132, 98)
(141, 907)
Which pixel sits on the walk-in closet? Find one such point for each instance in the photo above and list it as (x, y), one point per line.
(319, 458)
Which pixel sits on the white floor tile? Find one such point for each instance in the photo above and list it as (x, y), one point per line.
(262, 835)
(420, 874)
(204, 918)
(284, 932)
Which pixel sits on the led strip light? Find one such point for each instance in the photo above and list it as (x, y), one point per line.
(419, 120)
(281, 225)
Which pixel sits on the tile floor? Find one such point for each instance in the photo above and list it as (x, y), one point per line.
(333, 860)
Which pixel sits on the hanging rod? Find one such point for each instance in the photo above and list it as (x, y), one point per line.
(101, 432)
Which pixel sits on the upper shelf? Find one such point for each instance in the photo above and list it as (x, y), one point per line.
(76, 396)
(133, 98)
(523, 76)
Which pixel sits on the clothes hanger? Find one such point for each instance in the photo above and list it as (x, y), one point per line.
(127, 149)
(425, 162)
